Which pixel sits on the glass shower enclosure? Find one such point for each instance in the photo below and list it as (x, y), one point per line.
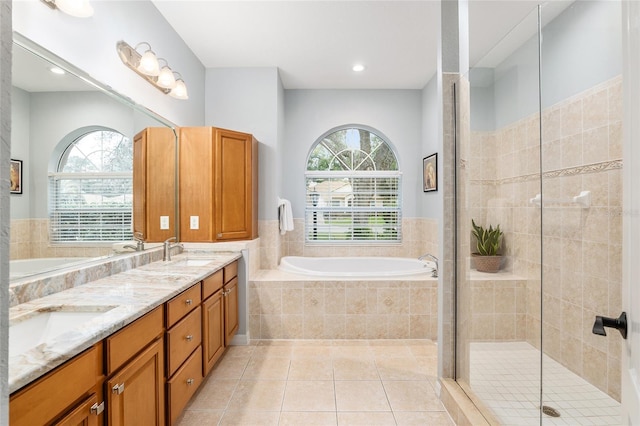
(538, 147)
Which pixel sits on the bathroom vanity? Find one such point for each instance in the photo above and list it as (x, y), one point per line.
(156, 332)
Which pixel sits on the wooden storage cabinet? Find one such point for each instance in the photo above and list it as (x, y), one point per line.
(154, 183)
(230, 301)
(87, 413)
(63, 393)
(135, 364)
(135, 395)
(184, 350)
(218, 183)
(219, 314)
(182, 385)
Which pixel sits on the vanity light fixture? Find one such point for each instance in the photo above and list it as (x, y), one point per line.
(180, 91)
(147, 66)
(77, 8)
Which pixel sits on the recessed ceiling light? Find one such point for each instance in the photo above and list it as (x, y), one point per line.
(56, 70)
(358, 68)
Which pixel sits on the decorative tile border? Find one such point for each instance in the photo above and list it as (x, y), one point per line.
(569, 171)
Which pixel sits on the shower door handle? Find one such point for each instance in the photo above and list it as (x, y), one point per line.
(619, 323)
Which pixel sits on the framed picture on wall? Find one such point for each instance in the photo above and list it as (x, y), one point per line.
(430, 173)
(16, 176)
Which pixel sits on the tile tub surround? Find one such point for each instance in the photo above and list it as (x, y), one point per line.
(132, 293)
(290, 306)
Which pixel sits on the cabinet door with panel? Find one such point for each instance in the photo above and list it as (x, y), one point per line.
(135, 395)
(154, 183)
(64, 390)
(212, 330)
(230, 310)
(84, 414)
(236, 185)
(218, 184)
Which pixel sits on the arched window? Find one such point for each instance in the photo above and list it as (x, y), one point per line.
(91, 191)
(353, 188)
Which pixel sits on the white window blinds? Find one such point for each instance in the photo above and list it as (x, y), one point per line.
(85, 207)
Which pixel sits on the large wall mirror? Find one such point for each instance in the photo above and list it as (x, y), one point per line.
(72, 161)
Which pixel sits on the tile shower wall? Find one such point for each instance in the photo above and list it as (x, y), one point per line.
(420, 236)
(581, 248)
(30, 239)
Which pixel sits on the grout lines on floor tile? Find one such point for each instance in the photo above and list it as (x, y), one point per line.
(321, 382)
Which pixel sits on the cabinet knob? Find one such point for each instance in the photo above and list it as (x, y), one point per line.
(189, 337)
(97, 408)
(118, 389)
(219, 235)
(190, 382)
(188, 302)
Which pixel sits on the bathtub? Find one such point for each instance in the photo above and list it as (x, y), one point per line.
(25, 267)
(355, 266)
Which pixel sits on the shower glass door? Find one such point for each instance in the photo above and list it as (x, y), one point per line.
(498, 339)
(539, 137)
(581, 99)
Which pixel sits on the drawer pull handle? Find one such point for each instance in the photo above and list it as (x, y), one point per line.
(190, 382)
(188, 302)
(97, 408)
(189, 337)
(118, 389)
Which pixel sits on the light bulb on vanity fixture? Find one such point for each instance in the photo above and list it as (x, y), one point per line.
(77, 8)
(180, 91)
(166, 79)
(161, 77)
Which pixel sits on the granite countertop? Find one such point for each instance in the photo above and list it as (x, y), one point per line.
(122, 298)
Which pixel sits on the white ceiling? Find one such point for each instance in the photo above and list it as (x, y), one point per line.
(315, 43)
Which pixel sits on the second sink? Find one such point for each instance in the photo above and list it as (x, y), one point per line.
(46, 324)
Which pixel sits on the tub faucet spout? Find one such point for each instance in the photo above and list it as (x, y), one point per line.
(429, 256)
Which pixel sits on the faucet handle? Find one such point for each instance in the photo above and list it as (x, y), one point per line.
(138, 236)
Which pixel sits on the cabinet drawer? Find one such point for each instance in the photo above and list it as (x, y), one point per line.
(183, 384)
(182, 304)
(230, 271)
(52, 395)
(182, 339)
(127, 342)
(212, 283)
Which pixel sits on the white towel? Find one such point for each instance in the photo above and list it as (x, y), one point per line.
(286, 216)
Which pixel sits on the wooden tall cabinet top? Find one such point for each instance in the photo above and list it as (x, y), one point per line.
(154, 183)
(218, 184)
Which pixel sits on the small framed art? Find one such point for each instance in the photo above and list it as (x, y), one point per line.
(16, 176)
(430, 173)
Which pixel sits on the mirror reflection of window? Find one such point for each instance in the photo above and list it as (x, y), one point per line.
(91, 194)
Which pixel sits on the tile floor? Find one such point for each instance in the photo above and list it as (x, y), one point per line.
(321, 382)
(506, 377)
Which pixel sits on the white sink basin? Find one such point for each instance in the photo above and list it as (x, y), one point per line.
(45, 325)
(193, 262)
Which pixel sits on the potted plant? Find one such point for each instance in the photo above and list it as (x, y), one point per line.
(489, 242)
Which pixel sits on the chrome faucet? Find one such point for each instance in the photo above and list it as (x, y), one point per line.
(166, 256)
(434, 273)
(139, 242)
